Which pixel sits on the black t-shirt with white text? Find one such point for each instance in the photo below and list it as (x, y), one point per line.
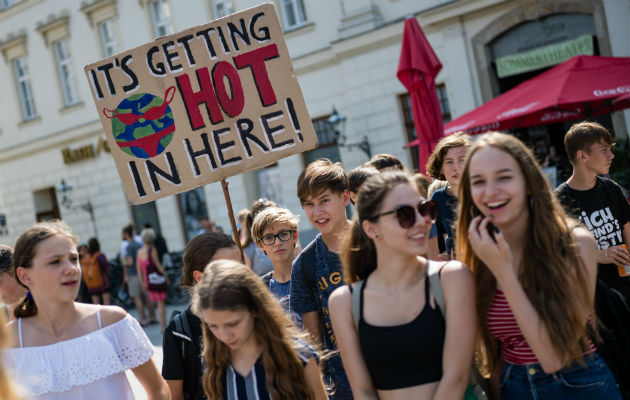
(604, 211)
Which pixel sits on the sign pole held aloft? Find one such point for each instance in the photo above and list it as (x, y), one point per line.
(228, 203)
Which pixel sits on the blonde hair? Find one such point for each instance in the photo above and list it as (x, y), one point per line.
(147, 235)
(436, 185)
(231, 286)
(269, 216)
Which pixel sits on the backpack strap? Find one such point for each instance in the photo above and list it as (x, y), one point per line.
(308, 264)
(474, 377)
(436, 285)
(356, 302)
(182, 326)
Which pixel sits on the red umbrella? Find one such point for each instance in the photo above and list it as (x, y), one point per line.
(582, 87)
(417, 67)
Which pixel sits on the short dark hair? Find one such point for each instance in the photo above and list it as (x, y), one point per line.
(319, 176)
(128, 230)
(582, 136)
(6, 253)
(385, 161)
(93, 245)
(199, 251)
(357, 177)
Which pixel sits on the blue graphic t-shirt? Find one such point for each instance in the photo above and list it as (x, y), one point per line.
(281, 290)
(328, 276)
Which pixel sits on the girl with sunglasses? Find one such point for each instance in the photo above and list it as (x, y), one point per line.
(401, 346)
(535, 276)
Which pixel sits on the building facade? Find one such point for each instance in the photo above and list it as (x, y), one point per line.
(55, 162)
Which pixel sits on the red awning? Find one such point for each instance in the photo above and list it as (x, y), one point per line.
(582, 87)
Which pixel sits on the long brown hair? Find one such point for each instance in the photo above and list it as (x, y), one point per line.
(24, 251)
(545, 274)
(358, 253)
(230, 285)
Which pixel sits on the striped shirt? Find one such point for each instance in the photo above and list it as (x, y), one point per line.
(503, 326)
(253, 386)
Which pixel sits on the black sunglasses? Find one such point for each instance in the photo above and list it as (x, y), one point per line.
(406, 214)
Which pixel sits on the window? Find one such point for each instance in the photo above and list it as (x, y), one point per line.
(327, 138)
(24, 88)
(62, 53)
(293, 13)
(221, 8)
(412, 135)
(8, 3)
(108, 37)
(161, 14)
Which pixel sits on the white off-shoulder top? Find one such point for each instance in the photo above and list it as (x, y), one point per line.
(91, 366)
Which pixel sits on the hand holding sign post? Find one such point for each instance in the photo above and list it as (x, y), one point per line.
(201, 105)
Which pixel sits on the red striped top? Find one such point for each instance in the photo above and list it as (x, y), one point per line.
(503, 326)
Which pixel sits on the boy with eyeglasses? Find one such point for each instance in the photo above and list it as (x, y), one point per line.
(275, 232)
(317, 272)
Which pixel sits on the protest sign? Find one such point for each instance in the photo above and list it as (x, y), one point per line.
(201, 105)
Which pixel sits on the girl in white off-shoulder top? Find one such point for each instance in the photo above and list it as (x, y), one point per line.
(67, 350)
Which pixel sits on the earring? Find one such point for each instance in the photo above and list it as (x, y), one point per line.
(531, 201)
(375, 235)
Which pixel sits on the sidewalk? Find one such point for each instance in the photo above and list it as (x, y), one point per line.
(153, 332)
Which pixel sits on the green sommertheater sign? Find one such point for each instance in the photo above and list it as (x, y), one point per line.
(544, 56)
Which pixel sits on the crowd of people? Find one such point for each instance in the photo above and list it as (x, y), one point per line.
(480, 284)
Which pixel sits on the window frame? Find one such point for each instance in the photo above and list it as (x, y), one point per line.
(228, 8)
(325, 138)
(296, 6)
(164, 23)
(64, 65)
(25, 90)
(6, 4)
(410, 127)
(110, 43)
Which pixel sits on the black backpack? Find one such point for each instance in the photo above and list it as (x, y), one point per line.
(191, 355)
(613, 312)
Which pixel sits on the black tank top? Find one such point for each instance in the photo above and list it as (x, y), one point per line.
(405, 355)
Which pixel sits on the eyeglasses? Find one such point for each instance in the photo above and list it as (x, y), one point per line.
(284, 235)
(406, 214)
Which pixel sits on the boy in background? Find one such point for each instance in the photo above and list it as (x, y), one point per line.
(596, 201)
(323, 193)
(275, 232)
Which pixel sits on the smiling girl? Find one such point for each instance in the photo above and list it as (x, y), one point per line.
(68, 350)
(401, 347)
(535, 274)
(251, 347)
